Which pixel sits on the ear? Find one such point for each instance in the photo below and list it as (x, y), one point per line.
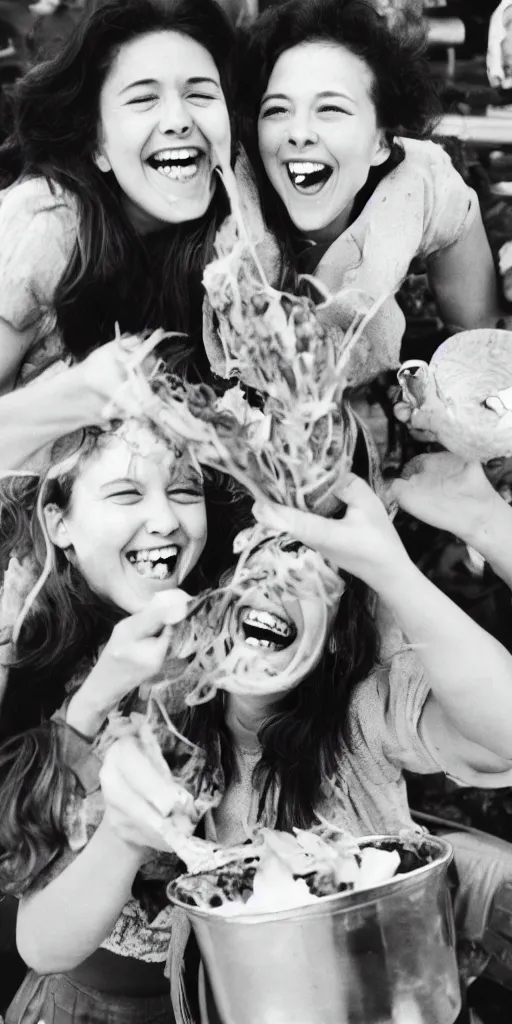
(56, 526)
(102, 162)
(382, 150)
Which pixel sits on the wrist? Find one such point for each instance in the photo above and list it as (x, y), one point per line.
(87, 401)
(128, 852)
(397, 580)
(85, 714)
(484, 534)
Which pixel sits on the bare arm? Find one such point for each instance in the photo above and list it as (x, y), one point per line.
(445, 491)
(13, 347)
(493, 539)
(469, 672)
(39, 413)
(463, 280)
(63, 924)
(52, 406)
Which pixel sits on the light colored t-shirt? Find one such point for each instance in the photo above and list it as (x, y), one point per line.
(367, 795)
(419, 209)
(38, 233)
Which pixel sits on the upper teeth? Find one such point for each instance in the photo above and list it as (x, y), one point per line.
(267, 620)
(305, 168)
(176, 154)
(153, 554)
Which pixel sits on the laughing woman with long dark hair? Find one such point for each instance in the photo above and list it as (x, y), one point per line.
(110, 205)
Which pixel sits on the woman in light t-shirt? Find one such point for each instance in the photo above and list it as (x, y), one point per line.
(330, 94)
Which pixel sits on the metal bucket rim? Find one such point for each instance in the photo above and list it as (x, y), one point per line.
(346, 900)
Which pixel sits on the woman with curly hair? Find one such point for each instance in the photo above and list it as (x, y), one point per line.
(338, 111)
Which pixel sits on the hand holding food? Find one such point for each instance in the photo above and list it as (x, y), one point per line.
(133, 656)
(444, 491)
(413, 419)
(363, 543)
(145, 805)
(105, 374)
(464, 396)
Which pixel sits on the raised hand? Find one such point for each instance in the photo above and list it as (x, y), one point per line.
(140, 798)
(363, 543)
(444, 491)
(105, 375)
(133, 656)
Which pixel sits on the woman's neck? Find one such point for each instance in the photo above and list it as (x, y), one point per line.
(332, 231)
(245, 717)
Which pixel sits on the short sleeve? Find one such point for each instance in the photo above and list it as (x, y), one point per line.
(38, 232)
(77, 753)
(387, 716)
(387, 711)
(451, 206)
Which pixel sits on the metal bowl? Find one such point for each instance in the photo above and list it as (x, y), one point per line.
(385, 955)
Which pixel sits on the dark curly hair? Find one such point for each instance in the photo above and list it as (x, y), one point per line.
(403, 92)
(114, 274)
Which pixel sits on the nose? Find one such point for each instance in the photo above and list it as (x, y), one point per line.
(175, 118)
(161, 517)
(301, 132)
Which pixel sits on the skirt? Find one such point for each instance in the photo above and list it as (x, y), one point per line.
(56, 999)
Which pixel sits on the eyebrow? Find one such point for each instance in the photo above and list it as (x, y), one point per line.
(326, 94)
(152, 81)
(115, 483)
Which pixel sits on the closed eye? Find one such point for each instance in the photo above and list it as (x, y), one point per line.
(271, 111)
(186, 496)
(127, 497)
(201, 97)
(332, 109)
(142, 99)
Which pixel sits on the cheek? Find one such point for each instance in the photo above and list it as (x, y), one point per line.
(121, 135)
(215, 126)
(195, 525)
(267, 140)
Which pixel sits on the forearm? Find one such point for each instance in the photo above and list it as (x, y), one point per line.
(493, 540)
(469, 671)
(39, 413)
(85, 713)
(67, 921)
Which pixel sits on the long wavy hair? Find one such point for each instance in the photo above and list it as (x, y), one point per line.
(60, 638)
(114, 274)
(403, 92)
(302, 741)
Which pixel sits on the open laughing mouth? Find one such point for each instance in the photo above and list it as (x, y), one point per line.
(307, 177)
(177, 164)
(155, 563)
(267, 630)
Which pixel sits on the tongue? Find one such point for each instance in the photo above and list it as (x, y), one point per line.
(311, 183)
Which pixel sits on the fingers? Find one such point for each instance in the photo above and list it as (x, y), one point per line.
(134, 817)
(314, 530)
(415, 420)
(304, 526)
(165, 609)
(128, 774)
(402, 411)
